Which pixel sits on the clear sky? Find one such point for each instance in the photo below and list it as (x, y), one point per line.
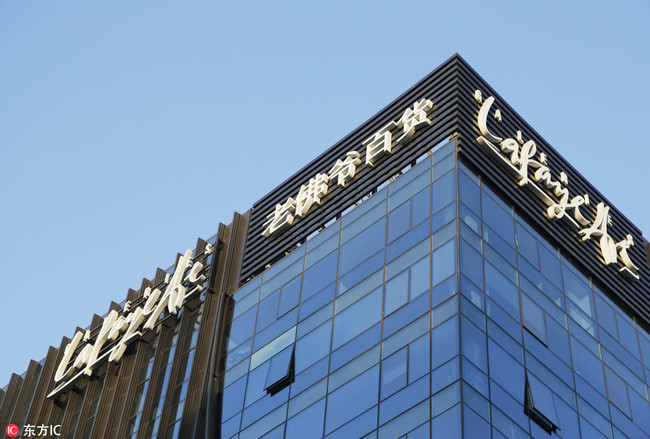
(129, 129)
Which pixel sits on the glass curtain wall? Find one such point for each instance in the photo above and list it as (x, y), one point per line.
(356, 332)
(431, 310)
(542, 345)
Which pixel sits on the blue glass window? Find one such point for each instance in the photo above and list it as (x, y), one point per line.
(447, 425)
(640, 411)
(361, 246)
(242, 328)
(396, 292)
(289, 295)
(504, 292)
(421, 207)
(320, 274)
(313, 346)
(534, 320)
(393, 373)
(471, 263)
(406, 241)
(539, 404)
(360, 272)
(498, 219)
(475, 427)
(443, 262)
(469, 192)
(420, 277)
(443, 217)
(628, 336)
(256, 381)
(527, 246)
(281, 371)
(470, 219)
(357, 318)
(308, 423)
(587, 365)
(351, 399)
(578, 291)
(444, 342)
(233, 398)
(419, 358)
(444, 191)
(399, 221)
(474, 344)
(505, 370)
(606, 316)
(268, 311)
(617, 390)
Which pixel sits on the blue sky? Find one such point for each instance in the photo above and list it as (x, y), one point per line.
(126, 127)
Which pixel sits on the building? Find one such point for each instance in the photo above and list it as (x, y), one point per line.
(440, 272)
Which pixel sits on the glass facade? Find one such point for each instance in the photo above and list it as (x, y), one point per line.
(431, 310)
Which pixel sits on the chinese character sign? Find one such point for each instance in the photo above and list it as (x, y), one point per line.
(379, 145)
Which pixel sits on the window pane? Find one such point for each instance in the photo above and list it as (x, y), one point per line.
(444, 342)
(313, 346)
(474, 344)
(420, 277)
(447, 425)
(419, 358)
(397, 292)
(363, 245)
(319, 275)
(308, 423)
(469, 192)
(587, 365)
(542, 399)
(443, 217)
(444, 262)
(393, 373)
(498, 219)
(444, 191)
(506, 371)
(578, 292)
(527, 245)
(268, 311)
(504, 292)
(617, 391)
(606, 316)
(475, 426)
(421, 206)
(280, 369)
(399, 221)
(357, 318)
(242, 328)
(352, 399)
(471, 263)
(256, 380)
(289, 296)
(628, 335)
(533, 318)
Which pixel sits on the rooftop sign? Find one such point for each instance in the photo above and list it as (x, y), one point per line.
(380, 144)
(123, 328)
(520, 159)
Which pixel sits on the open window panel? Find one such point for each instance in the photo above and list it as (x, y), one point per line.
(281, 371)
(539, 404)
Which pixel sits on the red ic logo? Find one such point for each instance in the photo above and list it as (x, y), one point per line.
(12, 430)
